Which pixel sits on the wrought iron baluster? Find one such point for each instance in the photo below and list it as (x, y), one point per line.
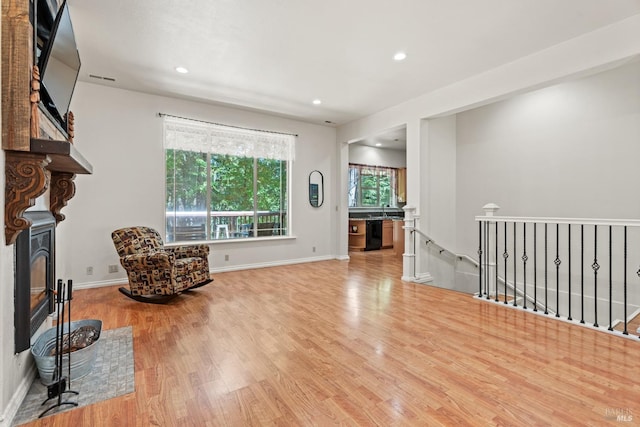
(535, 269)
(610, 281)
(487, 257)
(505, 255)
(515, 276)
(546, 311)
(624, 289)
(581, 273)
(569, 267)
(638, 273)
(496, 262)
(480, 259)
(595, 266)
(557, 262)
(524, 262)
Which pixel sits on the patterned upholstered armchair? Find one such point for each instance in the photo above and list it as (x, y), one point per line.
(156, 273)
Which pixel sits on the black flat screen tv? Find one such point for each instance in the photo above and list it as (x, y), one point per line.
(57, 57)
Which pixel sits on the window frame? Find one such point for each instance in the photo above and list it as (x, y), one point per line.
(392, 174)
(266, 147)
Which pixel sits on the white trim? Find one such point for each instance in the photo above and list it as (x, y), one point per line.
(271, 264)
(423, 278)
(343, 257)
(542, 220)
(632, 316)
(231, 240)
(123, 280)
(560, 318)
(99, 284)
(10, 412)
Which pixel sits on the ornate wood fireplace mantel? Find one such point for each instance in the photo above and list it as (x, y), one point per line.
(38, 157)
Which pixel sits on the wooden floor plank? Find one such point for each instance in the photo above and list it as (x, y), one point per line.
(348, 343)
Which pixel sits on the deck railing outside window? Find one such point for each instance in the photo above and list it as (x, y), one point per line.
(218, 225)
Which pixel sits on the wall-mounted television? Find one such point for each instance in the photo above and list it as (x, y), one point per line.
(57, 57)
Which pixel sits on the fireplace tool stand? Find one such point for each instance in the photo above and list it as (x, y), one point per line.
(59, 387)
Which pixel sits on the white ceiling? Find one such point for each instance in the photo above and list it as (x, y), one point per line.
(391, 139)
(279, 55)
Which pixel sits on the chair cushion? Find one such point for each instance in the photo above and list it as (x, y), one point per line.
(133, 240)
(190, 272)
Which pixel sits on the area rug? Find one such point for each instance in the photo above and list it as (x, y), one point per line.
(112, 376)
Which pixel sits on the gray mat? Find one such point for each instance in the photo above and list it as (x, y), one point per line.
(111, 376)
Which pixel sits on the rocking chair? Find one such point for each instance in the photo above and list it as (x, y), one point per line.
(157, 274)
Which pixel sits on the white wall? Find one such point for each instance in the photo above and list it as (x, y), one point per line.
(120, 133)
(438, 189)
(366, 155)
(569, 150)
(588, 54)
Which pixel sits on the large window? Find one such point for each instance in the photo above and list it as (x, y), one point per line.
(372, 186)
(224, 182)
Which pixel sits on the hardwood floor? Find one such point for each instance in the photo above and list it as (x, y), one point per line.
(348, 343)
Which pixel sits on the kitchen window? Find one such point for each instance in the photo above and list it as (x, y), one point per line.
(372, 186)
(224, 182)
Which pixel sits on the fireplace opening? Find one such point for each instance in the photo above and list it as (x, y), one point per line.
(35, 272)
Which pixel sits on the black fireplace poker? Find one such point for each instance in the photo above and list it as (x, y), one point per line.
(59, 387)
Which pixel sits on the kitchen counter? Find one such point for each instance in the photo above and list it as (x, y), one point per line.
(365, 235)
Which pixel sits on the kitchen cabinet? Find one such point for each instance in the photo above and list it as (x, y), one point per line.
(398, 238)
(401, 191)
(357, 234)
(387, 233)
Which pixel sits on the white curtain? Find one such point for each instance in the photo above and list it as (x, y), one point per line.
(202, 137)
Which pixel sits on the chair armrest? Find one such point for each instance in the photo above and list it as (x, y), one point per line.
(189, 251)
(148, 261)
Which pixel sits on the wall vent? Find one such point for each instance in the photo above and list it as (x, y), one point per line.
(97, 77)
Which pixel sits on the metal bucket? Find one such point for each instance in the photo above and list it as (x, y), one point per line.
(82, 360)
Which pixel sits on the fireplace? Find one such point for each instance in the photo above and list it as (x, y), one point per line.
(35, 272)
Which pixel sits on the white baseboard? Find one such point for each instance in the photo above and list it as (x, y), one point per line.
(100, 284)
(271, 264)
(423, 278)
(10, 412)
(123, 280)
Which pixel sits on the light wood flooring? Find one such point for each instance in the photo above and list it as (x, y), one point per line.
(349, 343)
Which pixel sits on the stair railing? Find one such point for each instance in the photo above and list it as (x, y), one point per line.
(574, 269)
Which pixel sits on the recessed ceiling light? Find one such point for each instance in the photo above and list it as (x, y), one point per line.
(400, 56)
(182, 70)
(378, 144)
(317, 102)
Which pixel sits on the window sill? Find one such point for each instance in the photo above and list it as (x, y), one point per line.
(230, 240)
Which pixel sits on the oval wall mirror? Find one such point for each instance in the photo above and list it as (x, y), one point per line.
(316, 189)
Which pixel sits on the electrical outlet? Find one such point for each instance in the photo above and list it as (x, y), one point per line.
(226, 257)
(113, 268)
(89, 271)
(313, 249)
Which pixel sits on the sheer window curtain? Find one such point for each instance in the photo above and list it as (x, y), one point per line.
(357, 171)
(202, 137)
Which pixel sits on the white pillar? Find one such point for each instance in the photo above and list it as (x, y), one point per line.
(409, 256)
(491, 257)
(342, 206)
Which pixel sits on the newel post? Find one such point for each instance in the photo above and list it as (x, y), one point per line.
(409, 256)
(489, 210)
